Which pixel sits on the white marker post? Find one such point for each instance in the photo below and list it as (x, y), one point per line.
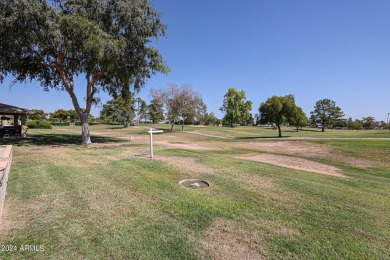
(151, 132)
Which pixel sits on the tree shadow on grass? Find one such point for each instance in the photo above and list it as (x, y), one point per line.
(56, 139)
(317, 130)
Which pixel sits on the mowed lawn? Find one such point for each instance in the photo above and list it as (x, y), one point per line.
(109, 200)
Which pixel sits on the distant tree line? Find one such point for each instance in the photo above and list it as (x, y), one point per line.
(182, 105)
(58, 116)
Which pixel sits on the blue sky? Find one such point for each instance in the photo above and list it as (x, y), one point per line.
(313, 49)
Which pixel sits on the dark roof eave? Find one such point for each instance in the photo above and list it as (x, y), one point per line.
(5, 113)
(12, 110)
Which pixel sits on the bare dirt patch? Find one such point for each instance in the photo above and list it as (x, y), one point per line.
(185, 164)
(185, 146)
(226, 241)
(290, 147)
(295, 163)
(309, 149)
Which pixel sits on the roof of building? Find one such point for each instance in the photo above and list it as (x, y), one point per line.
(12, 110)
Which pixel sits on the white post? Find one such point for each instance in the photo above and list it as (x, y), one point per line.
(151, 140)
(151, 143)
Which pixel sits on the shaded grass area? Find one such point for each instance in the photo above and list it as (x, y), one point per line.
(56, 139)
(103, 202)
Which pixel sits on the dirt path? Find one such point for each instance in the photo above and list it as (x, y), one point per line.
(295, 163)
(214, 136)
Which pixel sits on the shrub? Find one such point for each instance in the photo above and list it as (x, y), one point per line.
(60, 124)
(90, 123)
(39, 124)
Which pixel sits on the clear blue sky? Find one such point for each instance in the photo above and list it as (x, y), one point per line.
(313, 49)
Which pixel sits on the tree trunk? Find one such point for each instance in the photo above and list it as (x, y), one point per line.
(85, 134)
(182, 126)
(280, 131)
(172, 127)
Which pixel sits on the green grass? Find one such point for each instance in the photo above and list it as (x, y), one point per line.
(249, 132)
(101, 201)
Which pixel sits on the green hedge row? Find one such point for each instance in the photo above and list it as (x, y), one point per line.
(73, 124)
(39, 124)
(60, 124)
(90, 123)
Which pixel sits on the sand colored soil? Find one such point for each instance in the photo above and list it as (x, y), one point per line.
(185, 146)
(289, 147)
(181, 143)
(295, 163)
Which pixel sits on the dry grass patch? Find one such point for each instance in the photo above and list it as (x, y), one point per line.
(185, 146)
(225, 240)
(255, 182)
(295, 163)
(309, 149)
(185, 164)
(17, 214)
(290, 147)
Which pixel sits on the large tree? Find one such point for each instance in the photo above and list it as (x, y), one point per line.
(39, 115)
(236, 107)
(156, 110)
(107, 42)
(326, 113)
(208, 119)
(278, 110)
(60, 115)
(142, 109)
(369, 122)
(180, 103)
(298, 118)
(119, 110)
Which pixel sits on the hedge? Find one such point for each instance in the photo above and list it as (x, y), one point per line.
(39, 124)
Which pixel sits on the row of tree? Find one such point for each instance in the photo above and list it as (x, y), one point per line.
(282, 110)
(174, 104)
(59, 115)
(109, 44)
(185, 106)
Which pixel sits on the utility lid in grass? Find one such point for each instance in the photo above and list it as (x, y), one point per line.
(194, 184)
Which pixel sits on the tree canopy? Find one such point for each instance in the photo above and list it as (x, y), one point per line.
(39, 115)
(236, 107)
(60, 115)
(326, 113)
(156, 110)
(109, 43)
(298, 118)
(369, 122)
(142, 109)
(180, 103)
(118, 110)
(279, 110)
